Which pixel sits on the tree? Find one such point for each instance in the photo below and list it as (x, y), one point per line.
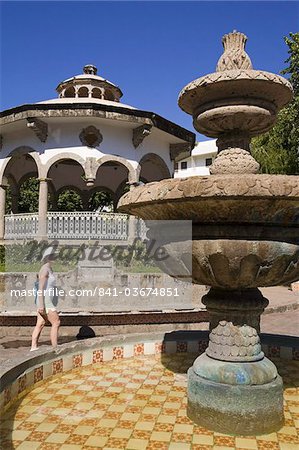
(277, 151)
(28, 195)
(69, 200)
(8, 200)
(101, 200)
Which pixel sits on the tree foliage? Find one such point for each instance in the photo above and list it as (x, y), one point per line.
(69, 200)
(277, 151)
(101, 200)
(8, 200)
(28, 196)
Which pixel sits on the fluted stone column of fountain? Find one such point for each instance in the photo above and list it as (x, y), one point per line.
(245, 229)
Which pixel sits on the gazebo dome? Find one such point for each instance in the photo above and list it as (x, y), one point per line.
(89, 85)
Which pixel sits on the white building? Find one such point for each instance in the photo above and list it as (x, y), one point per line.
(202, 156)
(85, 140)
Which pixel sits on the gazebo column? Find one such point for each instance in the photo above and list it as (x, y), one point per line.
(42, 208)
(2, 210)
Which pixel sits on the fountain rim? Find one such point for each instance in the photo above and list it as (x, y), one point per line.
(224, 186)
(42, 360)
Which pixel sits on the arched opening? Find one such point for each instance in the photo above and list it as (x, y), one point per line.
(70, 92)
(96, 93)
(112, 176)
(23, 186)
(108, 95)
(153, 168)
(68, 180)
(83, 92)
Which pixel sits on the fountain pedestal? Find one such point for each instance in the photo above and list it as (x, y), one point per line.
(233, 384)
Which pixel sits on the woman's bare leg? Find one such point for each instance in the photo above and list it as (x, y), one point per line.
(53, 318)
(40, 323)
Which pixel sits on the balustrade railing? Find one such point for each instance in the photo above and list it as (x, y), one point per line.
(74, 225)
(87, 225)
(20, 226)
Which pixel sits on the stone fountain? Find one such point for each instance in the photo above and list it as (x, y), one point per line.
(245, 229)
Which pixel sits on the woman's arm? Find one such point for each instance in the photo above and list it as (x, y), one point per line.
(43, 278)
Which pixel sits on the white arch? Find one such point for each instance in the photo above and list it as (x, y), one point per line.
(22, 150)
(158, 161)
(60, 157)
(132, 172)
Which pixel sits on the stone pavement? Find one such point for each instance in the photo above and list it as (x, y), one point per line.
(285, 316)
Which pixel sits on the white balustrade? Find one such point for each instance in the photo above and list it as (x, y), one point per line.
(20, 226)
(87, 225)
(140, 229)
(74, 225)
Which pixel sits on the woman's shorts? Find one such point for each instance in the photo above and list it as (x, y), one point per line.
(49, 306)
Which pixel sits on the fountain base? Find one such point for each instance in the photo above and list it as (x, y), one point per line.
(235, 409)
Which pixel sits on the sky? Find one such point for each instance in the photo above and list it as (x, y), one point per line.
(151, 50)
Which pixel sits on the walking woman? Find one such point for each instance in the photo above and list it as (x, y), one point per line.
(45, 296)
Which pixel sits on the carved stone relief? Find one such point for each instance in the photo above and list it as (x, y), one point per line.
(183, 150)
(140, 133)
(91, 136)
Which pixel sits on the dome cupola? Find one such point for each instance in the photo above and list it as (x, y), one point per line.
(89, 85)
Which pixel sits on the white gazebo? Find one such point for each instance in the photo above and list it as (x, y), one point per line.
(86, 141)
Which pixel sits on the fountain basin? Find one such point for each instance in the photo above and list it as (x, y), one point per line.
(219, 101)
(260, 247)
(125, 385)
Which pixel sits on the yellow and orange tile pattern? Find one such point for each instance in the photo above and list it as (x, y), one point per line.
(137, 403)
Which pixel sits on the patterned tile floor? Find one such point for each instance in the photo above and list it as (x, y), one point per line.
(132, 404)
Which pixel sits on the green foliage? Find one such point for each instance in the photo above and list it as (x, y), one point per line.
(26, 257)
(278, 150)
(28, 196)
(8, 200)
(100, 200)
(293, 61)
(69, 200)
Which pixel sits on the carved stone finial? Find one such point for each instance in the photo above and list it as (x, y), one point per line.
(39, 127)
(91, 136)
(234, 56)
(140, 133)
(90, 69)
